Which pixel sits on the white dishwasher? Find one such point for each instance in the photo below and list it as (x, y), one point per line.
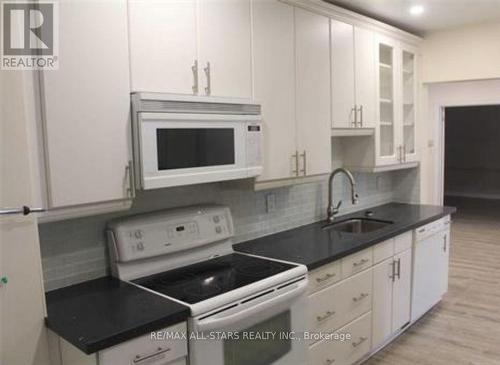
(430, 266)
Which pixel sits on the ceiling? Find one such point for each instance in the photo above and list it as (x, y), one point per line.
(437, 15)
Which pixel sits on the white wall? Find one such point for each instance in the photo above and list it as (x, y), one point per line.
(436, 96)
(466, 53)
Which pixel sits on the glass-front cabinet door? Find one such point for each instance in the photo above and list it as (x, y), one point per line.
(386, 149)
(409, 104)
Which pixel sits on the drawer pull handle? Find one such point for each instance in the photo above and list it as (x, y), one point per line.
(139, 359)
(361, 297)
(361, 262)
(361, 340)
(329, 361)
(326, 277)
(327, 315)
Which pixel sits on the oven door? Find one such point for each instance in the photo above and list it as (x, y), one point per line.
(262, 331)
(184, 149)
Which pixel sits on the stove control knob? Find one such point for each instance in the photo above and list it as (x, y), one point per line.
(218, 229)
(216, 219)
(138, 234)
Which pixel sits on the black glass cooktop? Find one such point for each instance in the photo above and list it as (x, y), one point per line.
(195, 283)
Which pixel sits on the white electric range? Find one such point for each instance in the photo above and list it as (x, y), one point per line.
(186, 255)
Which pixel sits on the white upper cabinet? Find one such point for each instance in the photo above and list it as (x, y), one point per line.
(163, 45)
(387, 147)
(274, 85)
(313, 92)
(364, 60)
(408, 79)
(200, 47)
(343, 89)
(86, 106)
(225, 49)
(353, 76)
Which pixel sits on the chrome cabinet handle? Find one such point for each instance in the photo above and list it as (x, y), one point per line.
(445, 238)
(296, 157)
(404, 153)
(131, 182)
(304, 163)
(361, 297)
(329, 361)
(393, 275)
(327, 315)
(140, 358)
(361, 340)
(24, 210)
(328, 276)
(208, 88)
(361, 262)
(361, 116)
(355, 109)
(194, 68)
(399, 269)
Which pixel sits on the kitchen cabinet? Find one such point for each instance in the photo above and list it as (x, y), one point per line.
(139, 350)
(225, 47)
(396, 134)
(274, 85)
(392, 290)
(291, 80)
(163, 46)
(312, 58)
(353, 76)
(85, 106)
(200, 47)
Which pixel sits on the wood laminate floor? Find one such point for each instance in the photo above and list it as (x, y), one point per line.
(465, 327)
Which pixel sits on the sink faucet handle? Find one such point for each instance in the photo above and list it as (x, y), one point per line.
(338, 206)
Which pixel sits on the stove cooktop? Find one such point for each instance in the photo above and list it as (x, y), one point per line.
(195, 283)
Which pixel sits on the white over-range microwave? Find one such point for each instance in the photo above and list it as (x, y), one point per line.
(184, 140)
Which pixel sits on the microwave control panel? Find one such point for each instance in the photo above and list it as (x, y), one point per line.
(254, 144)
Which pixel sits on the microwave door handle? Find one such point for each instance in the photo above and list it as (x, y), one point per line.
(217, 323)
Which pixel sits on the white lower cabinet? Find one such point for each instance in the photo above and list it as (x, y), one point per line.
(140, 351)
(333, 307)
(391, 296)
(366, 294)
(350, 345)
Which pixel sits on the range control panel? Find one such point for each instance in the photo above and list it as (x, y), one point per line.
(169, 231)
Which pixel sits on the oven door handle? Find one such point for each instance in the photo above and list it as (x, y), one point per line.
(213, 323)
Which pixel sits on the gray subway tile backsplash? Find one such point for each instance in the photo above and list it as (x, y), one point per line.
(75, 250)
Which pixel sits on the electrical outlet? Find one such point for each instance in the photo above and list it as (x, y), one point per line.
(270, 203)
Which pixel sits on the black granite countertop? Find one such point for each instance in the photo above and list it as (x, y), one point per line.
(313, 246)
(104, 312)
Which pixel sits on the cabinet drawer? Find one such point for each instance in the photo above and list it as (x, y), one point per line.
(333, 307)
(383, 250)
(337, 352)
(152, 351)
(357, 262)
(403, 242)
(324, 276)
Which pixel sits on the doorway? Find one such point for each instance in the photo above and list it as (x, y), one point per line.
(472, 156)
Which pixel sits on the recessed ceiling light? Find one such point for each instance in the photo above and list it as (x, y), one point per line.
(416, 10)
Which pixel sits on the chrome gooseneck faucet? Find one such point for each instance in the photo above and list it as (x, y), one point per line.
(332, 210)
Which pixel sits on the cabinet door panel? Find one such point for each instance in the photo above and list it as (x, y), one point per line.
(342, 63)
(162, 45)
(313, 91)
(86, 104)
(364, 57)
(274, 81)
(382, 302)
(401, 299)
(225, 42)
